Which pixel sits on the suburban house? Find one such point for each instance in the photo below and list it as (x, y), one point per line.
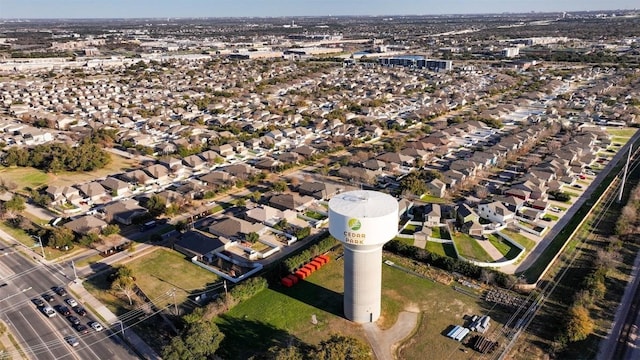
(268, 215)
(159, 172)
(496, 212)
(115, 186)
(86, 224)
(234, 228)
(194, 162)
(123, 211)
(318, 190)
(202, 246)
(63, 194)
(138, 177)
(432, 215)
(291, 201)
(437, 188)
(93, 192)
(465, 213)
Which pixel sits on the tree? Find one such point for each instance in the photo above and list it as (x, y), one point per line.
(579, 324)
(291, 352)
(60, 237)
(14, 206)
(252, 237)
(481, 192)
(89, 239)
(200, 340)
(241, 202)
(124, 283)
(156, 205)
(279, 186)
(203, 338)
(111, 230)
(339, 347)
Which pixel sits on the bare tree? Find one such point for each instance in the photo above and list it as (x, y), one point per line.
(481, 192)
(487, 277)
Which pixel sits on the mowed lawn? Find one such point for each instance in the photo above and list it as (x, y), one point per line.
(163, 270)
(278, 315)
(470, 249)
(27, 177)
(622, 132)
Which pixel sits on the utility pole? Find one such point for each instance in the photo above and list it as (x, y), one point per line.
(41, 247)
(122, 328)
(75, 275)
(624, 175)
(175, 305)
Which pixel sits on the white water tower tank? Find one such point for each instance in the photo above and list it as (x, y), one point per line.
(363, 221)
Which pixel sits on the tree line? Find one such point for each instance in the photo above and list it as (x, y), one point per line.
(56, 157)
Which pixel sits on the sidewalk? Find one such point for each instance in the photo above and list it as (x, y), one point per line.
(11, 351)
(490, 249)
(112, 321)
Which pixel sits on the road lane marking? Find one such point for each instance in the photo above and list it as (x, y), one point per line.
(37, 334)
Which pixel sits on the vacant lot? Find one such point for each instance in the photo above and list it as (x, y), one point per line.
(163, 270)
(279, 315)
(621, 132)
(33, 178)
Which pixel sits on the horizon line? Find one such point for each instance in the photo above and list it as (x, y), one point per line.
(312, 16)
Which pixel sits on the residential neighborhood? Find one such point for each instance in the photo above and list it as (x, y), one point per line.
(174, 173)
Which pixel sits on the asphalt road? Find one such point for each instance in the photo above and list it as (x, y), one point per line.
(41, 337)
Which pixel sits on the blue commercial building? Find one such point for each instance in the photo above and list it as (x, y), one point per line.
(417, 61)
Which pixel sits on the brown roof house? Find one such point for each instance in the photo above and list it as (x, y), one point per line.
(234, 228)
(160, 173)
(93, 192)
(123, 211)
(86, 224)
(116, 187)
(319, 190)
(290, 201)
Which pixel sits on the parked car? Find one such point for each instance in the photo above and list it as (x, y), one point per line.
(554, 209)
(48, 297)
(38, 302)
(71, 302)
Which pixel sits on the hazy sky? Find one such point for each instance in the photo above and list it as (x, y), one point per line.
(268, 8)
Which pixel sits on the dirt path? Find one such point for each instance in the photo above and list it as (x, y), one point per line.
(385, 342)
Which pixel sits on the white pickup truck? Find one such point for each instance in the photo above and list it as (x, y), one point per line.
(48, 310)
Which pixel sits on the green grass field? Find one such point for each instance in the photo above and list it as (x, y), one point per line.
(520, 239)
(161, 271)
(618, 132)
(505, 247)
(33, 178)
(470, 249)
(278, 315)
(433, 199)
(441, 249)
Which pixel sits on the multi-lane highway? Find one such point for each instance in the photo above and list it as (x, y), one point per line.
(41, 337)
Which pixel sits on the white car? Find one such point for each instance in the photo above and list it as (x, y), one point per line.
(72, 340)
(96, 326)
(554, 209)
(71, 302)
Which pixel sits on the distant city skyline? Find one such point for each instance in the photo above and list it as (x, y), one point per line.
(275, 8)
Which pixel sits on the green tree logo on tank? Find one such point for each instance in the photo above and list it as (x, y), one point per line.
(354, 224)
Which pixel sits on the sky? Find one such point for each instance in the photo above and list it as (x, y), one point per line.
(275, 8)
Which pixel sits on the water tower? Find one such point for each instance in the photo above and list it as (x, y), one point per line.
(363, 221)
